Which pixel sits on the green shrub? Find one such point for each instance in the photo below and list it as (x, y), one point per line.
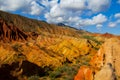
(91, 38)
(35, 77)
(65, 72)
(55, 74)
(17, 48)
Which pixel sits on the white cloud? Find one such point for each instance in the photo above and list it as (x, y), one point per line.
(48, 4)
(44, 2)
(118, 21)
(56, 11)
(99, 19)
(12, 5)
(119, 1)
(35, 8)
(53, 3)
(73, 4)
(69, 12)
(75, 21)
(98, 5)
(93, 5)
(26, 6)
(51, 19)
(114, 24)
(99, 26)
(117, 15)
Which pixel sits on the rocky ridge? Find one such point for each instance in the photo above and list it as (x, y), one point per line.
(105, 64)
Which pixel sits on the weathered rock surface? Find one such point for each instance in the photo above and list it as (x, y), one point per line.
(9, 32)
(105, 64)
(111, 61)
(85, 73)
(106, 73)
(46, 52)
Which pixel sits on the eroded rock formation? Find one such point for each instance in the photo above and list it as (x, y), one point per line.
(9, 32)
(85, 73)
(105, 64)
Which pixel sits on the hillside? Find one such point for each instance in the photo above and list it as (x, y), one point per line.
(9, 32)
(35, 50)
(31, 25)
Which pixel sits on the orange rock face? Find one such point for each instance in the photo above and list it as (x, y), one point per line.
(84, 73)
(97, 61)
(108, 35)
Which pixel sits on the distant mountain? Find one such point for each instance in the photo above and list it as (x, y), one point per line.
(61, 24)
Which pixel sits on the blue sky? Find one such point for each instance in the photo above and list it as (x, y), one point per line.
(99, 16)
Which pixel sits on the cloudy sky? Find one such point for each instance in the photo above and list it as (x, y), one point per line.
(91, 15)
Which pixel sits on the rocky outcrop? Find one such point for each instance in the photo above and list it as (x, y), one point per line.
(48, 52)
(85, 73)
(106, 73)
(107, 69)
(105, 64)
(9, 32)
(108, 35)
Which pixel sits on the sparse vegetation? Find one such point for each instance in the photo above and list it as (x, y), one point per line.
(65, 72)
(34, 77)
(17, 47)
(92, 38)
